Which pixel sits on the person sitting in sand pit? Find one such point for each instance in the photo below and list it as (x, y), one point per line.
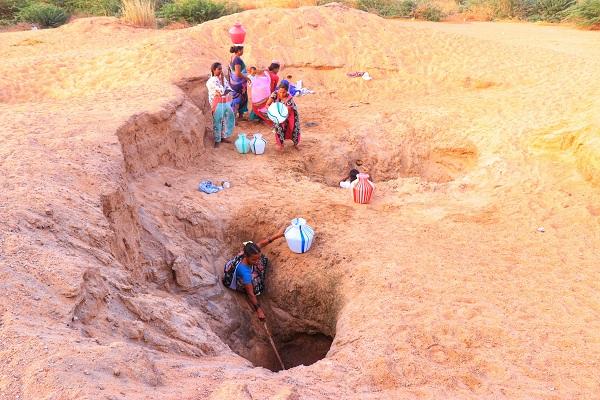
(246, 271)
(346, 183)
(219, 98)
(290, 128)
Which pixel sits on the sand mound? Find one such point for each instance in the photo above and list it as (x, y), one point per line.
(477, 135)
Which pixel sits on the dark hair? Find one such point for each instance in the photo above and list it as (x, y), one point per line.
(235, 49)
(353, 173)
(284, 84)
(213, 67)
(273, 66)
(250, 249)
(252, 68)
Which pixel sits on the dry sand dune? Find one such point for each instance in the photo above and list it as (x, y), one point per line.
(476, 135)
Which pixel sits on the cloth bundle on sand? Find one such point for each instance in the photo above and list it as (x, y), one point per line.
(209, 187)
(359, 74)
(298, 89)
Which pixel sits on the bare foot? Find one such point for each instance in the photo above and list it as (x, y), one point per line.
(296, 147)
(225, 140)
(279, 147)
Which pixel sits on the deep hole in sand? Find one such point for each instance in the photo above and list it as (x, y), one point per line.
(302, 320)
(304, 349)
(302, 326)
(298, 349)
(298, 342)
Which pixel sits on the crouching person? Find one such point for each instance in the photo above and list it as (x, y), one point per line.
(246, 272)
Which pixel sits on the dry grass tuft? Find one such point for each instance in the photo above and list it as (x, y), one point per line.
(253, 4)
(139, 13)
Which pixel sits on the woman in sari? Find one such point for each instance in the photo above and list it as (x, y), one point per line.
(290, 128)
(238, 80)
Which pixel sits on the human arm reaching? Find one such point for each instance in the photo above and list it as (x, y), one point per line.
(272, 238)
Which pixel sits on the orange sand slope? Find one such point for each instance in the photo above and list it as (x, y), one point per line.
(444, 287)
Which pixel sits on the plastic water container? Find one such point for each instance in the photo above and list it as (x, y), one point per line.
(242, 143)
(299, 236)
(237, 33)
(277, 112)
(362, 189)
(258, 144)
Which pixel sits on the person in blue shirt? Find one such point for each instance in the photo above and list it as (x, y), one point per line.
(246, 271)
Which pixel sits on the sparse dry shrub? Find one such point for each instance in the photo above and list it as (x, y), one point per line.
(139, 13)
(44, 15)
(429, 12)
(197, 11)
(585, 13)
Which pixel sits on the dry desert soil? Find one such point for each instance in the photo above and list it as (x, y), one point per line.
(473, 274)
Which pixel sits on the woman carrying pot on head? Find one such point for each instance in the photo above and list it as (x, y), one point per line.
(219, 97)
(238, 80)
(246, 271)
(290, 128)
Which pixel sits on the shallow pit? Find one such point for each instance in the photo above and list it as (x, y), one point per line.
(431, 162)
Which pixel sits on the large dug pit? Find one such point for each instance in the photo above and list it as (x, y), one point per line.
(178, 248)
(174, 241)
(181, 241)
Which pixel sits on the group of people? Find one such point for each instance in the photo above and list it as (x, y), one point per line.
(229, 98)
(246, 90)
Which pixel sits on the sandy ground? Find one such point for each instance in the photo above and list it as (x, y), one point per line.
(476, 134)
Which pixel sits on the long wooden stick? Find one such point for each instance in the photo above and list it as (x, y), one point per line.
(273, 344)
